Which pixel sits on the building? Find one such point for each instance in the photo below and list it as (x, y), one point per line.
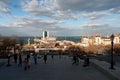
(46, 43)
(45, 34)
(99, 40)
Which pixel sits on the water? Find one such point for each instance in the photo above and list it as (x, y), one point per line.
(70, 38)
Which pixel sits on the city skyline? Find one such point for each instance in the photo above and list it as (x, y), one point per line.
(59, 17)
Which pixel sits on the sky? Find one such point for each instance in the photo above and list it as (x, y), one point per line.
(59, 17)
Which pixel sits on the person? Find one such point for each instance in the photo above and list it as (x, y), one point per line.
(15, 58)
(28, 56)
(8, 56)
(20, 59)
(86, 61)
(35, 58)
(52, 56)
(45, 58)
(77, 60)
(25, 64)
(28, 60)
(74, 60)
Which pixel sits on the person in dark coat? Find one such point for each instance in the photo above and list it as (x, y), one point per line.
(35, 58)
(52, 56)
(20, 59)
(28, 60)
(15, 58)
(8, 56)
(25, 62)
(86, 61)
(74, 60)
(45, 58)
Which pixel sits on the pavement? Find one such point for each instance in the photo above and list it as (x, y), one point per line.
(2, 62)
(104, 67)
(55, 69)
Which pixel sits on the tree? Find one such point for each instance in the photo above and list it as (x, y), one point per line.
(14, 42)
(75, 50)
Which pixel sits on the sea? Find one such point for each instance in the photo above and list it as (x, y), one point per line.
(70, 38)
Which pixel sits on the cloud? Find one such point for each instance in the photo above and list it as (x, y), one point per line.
(31, 26)
(6, 1)
(88, 5)
(27, 21)
(48, 8)
(4, 7)
(70, 9)
(95, 25)
(95, 15)
(53, 15)
(39, 8)
(115, 10)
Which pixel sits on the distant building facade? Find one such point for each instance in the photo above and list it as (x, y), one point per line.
(47, 43)
(99, 40)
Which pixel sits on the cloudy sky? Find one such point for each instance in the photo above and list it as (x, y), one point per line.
(59, 17)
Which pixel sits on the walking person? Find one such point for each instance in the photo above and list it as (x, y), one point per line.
(8, 56)
(28, 56)
(86, 59)
(52, 56)
(77, 60)
(15, 58)
(45, 58)
(35, 58)
(25, 62)
(74, 60)
(20, 60)
(28, 60)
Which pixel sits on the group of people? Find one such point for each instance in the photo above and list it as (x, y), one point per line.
(25, 60)
(76, 60)
(18, 59)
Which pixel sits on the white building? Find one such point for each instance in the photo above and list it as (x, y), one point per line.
(99, 40)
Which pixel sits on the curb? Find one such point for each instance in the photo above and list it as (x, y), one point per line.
(103, 67)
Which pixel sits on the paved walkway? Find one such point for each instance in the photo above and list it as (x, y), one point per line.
(2, 62)
(57, 69)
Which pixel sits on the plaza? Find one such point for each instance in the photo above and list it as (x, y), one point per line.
(59, 68)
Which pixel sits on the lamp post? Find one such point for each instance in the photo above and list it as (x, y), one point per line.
(112, 42)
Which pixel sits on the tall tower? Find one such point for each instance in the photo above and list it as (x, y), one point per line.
(28, 41)
(45, 34)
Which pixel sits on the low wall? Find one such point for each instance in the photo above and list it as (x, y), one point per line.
(104, 67)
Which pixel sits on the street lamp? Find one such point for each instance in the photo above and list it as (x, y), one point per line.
(112, 42)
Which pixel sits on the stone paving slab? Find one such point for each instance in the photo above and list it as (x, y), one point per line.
(57, 69)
